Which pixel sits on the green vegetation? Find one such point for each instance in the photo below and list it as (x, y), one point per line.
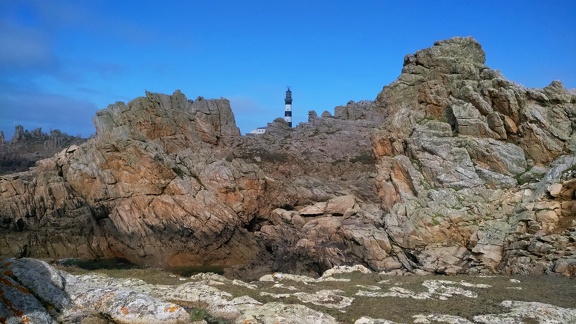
(198, 314)
(436, 219)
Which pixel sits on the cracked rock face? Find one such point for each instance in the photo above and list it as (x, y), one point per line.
(454, 161)
(148, 188)
(451, 169)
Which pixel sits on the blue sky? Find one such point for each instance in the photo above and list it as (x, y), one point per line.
(61, 60)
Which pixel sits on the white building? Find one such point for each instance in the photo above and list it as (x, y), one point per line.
(258, 131)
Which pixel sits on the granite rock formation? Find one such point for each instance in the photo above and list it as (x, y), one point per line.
(465, 162)
(34, 292)
(27, 147)
(452, 169)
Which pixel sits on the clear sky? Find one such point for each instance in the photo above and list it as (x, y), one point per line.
(62, 60)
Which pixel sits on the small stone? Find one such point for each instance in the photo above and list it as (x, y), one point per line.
(555, 189)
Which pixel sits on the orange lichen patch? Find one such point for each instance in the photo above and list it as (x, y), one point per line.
(23, 290)
(124, 310)
(100, 302)
(170, 309)
(9, 304)
(25, 319)
(9, 273)
(8, 283)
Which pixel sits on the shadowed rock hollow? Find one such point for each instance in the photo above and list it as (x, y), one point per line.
(452, 169)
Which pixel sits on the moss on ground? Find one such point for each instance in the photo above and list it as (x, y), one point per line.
(550, 289)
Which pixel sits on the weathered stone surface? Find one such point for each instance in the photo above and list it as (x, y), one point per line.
(437, 289)
(33, 291)
(340, 205)
(313, 210)
(358, 110)
(465, 128)
(368, 320)
(292, 314)
(326, 298)
(441, 173)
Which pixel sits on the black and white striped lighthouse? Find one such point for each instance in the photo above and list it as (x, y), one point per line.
(288, 111)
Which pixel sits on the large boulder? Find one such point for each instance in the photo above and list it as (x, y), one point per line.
(34, 292)
(452, 157)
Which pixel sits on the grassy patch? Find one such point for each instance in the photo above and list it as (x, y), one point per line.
(200, 314)
(555, 290)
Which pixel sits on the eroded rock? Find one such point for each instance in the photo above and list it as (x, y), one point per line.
(451, 169)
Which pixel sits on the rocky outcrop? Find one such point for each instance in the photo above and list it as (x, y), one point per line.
(459, 143)
(34, 291)
(149, 174)
(452, 169)
(27, 147)
(363, 109)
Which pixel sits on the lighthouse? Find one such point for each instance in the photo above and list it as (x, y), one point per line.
(288, 107)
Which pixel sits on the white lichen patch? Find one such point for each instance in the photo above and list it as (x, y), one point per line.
(369, 287)
(345, 269)
(394, 292)
(243, 284)
(369, 320)
(444, 289)
(277, 296)
(282, 286)
(332, 279)
(522, 312)
(440, 289)
(278, 276)
(244, 300)
(468, 284)
(325, 298)
(435, 318)
(282, 313)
